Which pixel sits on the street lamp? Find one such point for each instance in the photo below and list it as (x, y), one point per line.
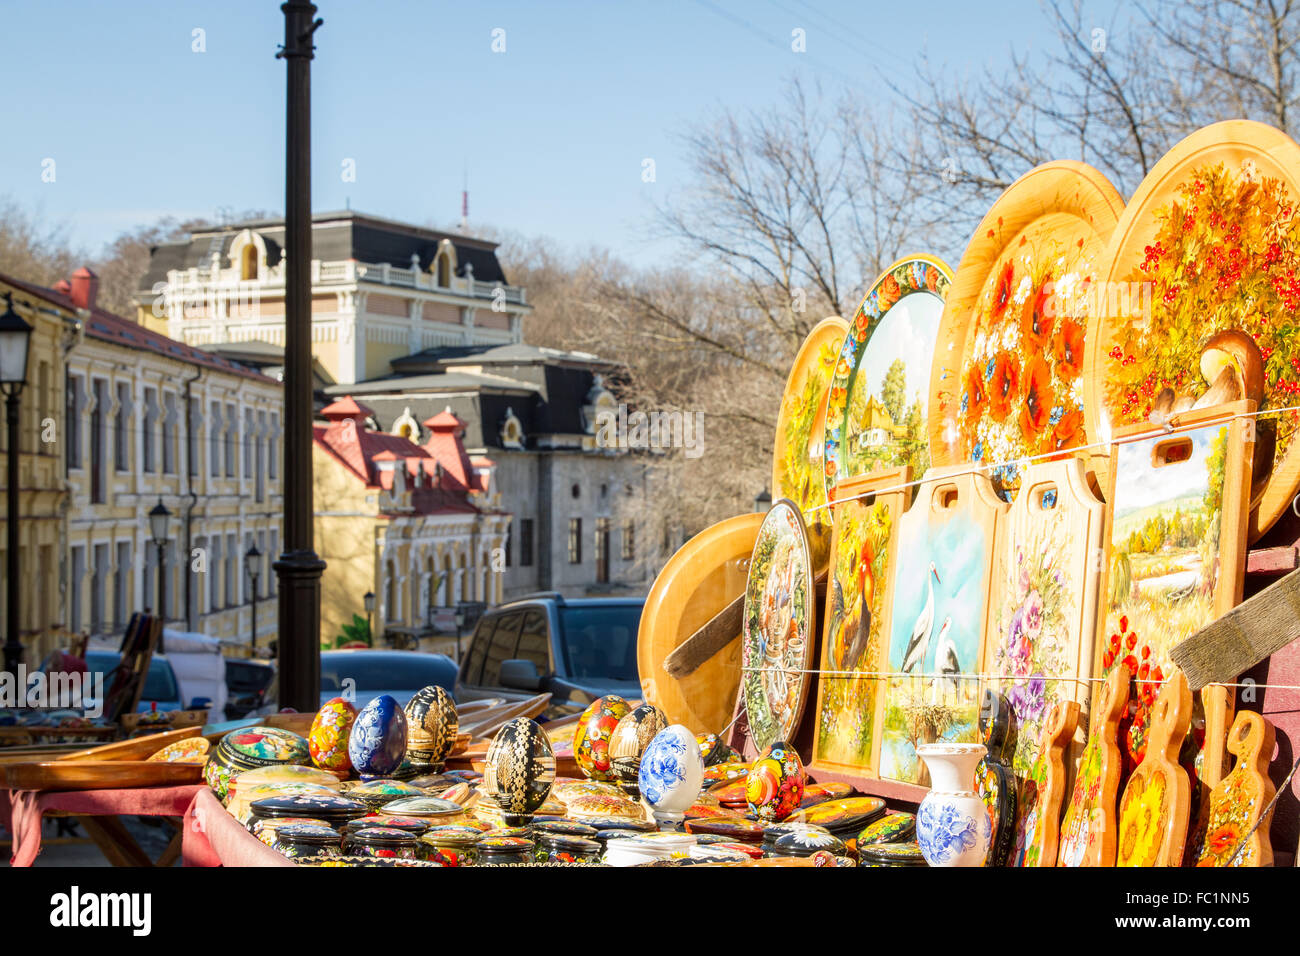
(253, 565)
(763, 502)
(15, 340)
(369, 601)
(158, 518)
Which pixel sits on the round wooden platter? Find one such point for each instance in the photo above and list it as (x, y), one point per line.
(778, 632)
(891, 325)
(1209, 248)
(706, 575)
(800, 432)
(1006, 382)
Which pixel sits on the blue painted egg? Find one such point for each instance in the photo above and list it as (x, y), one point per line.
(377, 743)
(670, 773)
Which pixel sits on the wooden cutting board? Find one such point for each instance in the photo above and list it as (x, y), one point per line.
(1239, 799)
(846, 734)
(1154, 811)
(1038, 811)
(940, 604)
(1043, 604)
(706, 574)
(1176, 545)
(100, 774)
(1089, 828)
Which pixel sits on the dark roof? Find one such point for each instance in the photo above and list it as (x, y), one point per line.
(454, 381)
(335, 236)
(108, 327)
(517, 354)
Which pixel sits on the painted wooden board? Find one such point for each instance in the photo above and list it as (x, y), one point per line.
(1176, 530)
(1043, 604)
(1038, 810)
(1238, 800)
(1089, 829)
(799, 445)
(941, 589)
(1007, 378)
(859, 598)
(1204, 256)
(877, 414)
(1154, 810)
(703, 577)
(1213, 709)
(777, 638)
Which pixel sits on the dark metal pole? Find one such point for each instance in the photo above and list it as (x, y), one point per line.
(299, 568)
(252, 644)
(162, 580)
(13, 644)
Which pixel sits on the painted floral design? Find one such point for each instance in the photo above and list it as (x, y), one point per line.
(328, 737)
(775, 784)
(591, 739)
(1143, 818)
(1234, 808)
(663, 767)
(945, 832)
(1019, 393)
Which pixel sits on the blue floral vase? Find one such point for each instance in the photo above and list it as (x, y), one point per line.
(953, 825)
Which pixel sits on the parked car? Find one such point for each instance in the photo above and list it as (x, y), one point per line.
(247, 682)
(574, 648)
(368, 673)
(160, 685)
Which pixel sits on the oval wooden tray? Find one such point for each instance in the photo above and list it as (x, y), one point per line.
(1006, 383)
(706, 575)
(1234, 179)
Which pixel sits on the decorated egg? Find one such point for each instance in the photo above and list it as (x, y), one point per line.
(249, 749)
(671, 773)
(377, 743)
(328, 737)
(519, 770)
(431, 728)
(591, 739)
(774, 784)
(713, 750)
(630, 739)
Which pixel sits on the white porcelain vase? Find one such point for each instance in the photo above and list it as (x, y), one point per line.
(952, 823)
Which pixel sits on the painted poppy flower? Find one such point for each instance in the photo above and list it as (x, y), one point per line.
(1067, 349)
(1037, 405)
(1035, 321)
(889, 292)
(976, 394)
(1004, 389)
(1003, 291)
(932, 279)
(1065, 434)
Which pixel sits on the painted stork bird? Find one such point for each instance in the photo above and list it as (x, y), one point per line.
(920, 640)
(945, 657)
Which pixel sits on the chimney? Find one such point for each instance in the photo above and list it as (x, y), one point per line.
(85, 286)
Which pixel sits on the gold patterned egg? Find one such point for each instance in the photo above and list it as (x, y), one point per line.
(431, 728)
(630, 739)
(591, 739)
(519, 769)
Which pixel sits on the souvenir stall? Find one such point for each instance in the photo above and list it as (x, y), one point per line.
(1026, 596)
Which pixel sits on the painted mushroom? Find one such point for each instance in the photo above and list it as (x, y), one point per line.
(1232, 367)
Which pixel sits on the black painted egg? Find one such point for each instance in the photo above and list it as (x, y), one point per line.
(431, 728)
(519, 769)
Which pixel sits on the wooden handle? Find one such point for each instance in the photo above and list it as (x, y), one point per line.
(719, 631)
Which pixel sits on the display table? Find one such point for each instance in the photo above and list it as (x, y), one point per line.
(97, 811)
(212, 837)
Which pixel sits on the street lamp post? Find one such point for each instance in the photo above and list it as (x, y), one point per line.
(763, 502)
(158, 519)
(369, 601)
(15, 339)
(299, 568)
(253, 565)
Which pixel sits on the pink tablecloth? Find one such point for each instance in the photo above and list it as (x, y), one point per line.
(25, 808)
(212, 837)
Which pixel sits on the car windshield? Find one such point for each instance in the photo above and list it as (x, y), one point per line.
(599, 641)
(159, 683)
(409, 671)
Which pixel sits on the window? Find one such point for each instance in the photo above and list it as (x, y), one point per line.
(261, 456)
(78, 572)
(534, 641)
(232, 435)
(191, 437)
(502, 648)
(248, 443)
(74, 406)
(232, 570)
(525, 542)
(575, 541)
(444, 271)
(98, 589)
(121, 583)
(263, 572)
(98, 425)
(628, 551)
(602, 550)
(214, 575)
(510, 541)
(122, 428)
(169, 434)
(273, 442)
(248, 263)
(214, 440)
(150, 422)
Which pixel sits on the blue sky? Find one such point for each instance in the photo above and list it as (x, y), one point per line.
(553, 130)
